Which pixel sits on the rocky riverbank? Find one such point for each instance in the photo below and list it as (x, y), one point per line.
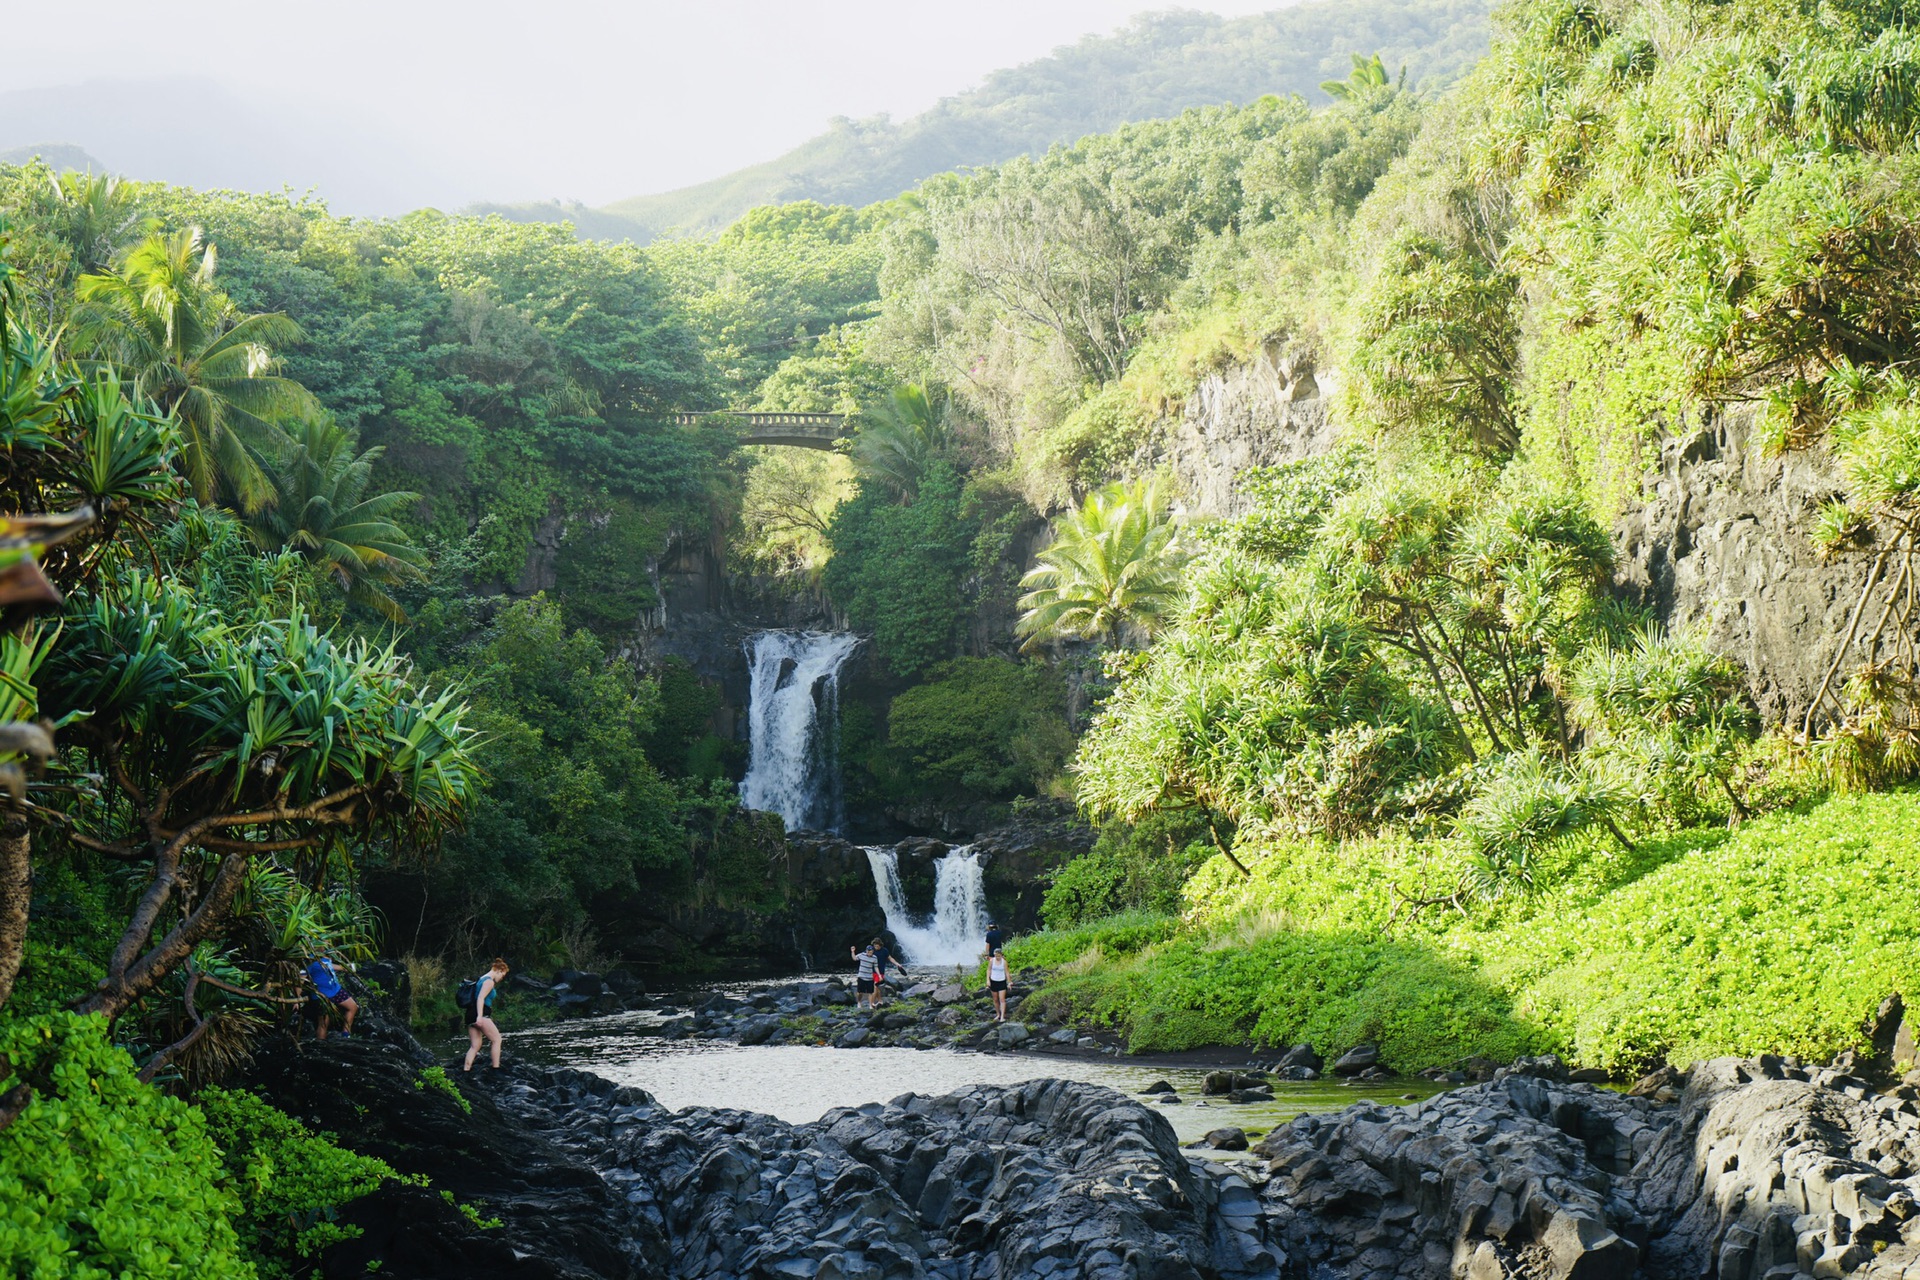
(1755, 1169)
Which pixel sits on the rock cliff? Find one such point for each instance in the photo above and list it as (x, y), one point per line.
(1268, 410)
(1720, 543)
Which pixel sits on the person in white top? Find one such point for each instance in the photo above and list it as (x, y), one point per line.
(867, 978)
(997, 983)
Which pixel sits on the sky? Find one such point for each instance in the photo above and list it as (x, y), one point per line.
(391, 105)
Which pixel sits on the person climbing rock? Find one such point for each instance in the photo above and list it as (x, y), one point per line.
(330, 995)
(997, 983)
(478, 1009)
(864, 981)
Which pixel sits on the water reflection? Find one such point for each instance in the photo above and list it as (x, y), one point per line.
(798, 1083)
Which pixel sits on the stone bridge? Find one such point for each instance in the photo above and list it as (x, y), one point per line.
(798, 430)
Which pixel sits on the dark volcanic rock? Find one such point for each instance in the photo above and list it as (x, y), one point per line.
(1361, 1057)
(560, 1220)
(1764, 1170)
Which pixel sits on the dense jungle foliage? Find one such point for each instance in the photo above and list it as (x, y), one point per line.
(327, 542)
(1478, 805)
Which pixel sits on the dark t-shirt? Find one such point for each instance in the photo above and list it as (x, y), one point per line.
(882, 959)
(995, 940)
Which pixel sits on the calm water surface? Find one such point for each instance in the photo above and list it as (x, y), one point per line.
(798, 1083)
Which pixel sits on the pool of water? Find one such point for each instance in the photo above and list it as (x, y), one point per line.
(799, 1083)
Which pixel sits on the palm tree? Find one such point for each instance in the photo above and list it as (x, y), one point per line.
(317, 511)
(182, 343)
(897, 442)
(96, 215)
(1114, 563)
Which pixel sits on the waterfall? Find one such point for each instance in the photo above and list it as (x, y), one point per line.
(958, 929)
(793, 718)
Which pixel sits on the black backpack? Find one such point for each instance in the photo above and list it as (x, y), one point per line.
(466, 993)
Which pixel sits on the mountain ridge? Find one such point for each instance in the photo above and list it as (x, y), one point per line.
(1158, 65)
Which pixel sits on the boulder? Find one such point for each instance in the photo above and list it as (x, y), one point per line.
(1065, 1035)
(1301, 1055)
(950, 994)
(1355, 1060)
(852, 1038)
(1217, 1084)
(1299, 1073)
(919, 990)
(1230, 1138)
(950, 1017)
(897, 1021)
(1244, 1096)
(1012, 1033)
(1159, 1086)
(760, 1030)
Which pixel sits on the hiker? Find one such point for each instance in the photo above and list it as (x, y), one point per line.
(864, 983)
(477, 1008)
(882, 957)
(997, 983)
(996, 939)
(320, 1007)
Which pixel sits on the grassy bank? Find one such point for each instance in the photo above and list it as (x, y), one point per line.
(1779, 937)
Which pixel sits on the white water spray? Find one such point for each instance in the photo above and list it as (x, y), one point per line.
(793, 718)
(958, 929)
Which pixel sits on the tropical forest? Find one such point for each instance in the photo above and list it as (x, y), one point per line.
(1274, 646)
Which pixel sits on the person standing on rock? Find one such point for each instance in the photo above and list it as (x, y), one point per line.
(479, 1014)
(882, 957)
(331, 995)
(864, 982)
(996, 937)
(997, 983)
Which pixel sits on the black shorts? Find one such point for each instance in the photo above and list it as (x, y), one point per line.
(318, 1007)
(998, 984)
(864, 985)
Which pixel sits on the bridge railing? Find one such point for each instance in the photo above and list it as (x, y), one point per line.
(822, 423)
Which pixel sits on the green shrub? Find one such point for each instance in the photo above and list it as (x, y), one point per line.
(982, 728)
(1119, 935)
(436, 1078)
(1132, 867)
(291, 1182)
(105, 1177)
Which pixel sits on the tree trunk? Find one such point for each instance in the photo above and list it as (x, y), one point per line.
(122, 986)
(16, 891)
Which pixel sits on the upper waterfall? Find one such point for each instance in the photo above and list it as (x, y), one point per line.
(793, 718)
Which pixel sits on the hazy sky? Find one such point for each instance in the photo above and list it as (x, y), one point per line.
(511, 100)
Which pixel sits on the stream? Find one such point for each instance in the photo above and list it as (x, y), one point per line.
(799, 1083)
(794, 771)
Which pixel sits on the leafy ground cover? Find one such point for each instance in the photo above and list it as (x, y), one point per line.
(1780, 937)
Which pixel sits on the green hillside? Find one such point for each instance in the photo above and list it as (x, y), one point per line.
(1158, 66)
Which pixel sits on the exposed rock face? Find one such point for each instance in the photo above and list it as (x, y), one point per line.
(1721, 543)
(1762, 1169)
(1269, 410)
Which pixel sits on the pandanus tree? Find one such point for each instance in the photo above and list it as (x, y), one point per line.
(321, 512)
(220, 742)
(1115, 563)
(160, 320)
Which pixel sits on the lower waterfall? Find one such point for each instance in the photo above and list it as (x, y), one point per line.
(957, 932)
